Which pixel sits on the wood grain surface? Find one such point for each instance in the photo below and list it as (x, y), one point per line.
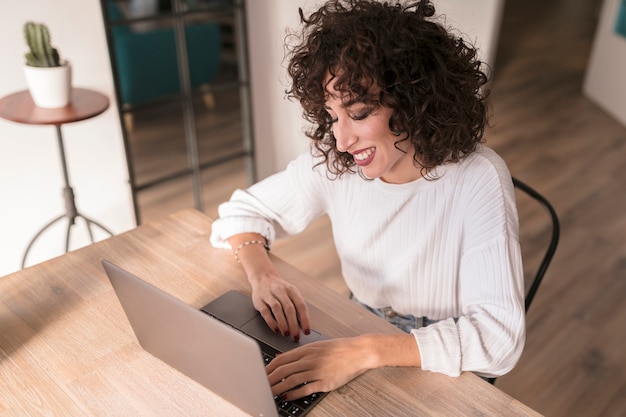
(67, 349)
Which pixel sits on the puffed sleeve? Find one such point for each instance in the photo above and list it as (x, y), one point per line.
(282, 204)
(488, 335)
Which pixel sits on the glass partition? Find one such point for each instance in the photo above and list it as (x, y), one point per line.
(620, 23)
(180, 72)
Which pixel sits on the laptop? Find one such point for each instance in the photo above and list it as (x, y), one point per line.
(224, 346)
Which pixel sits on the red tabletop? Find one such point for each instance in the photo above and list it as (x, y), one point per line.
(19, 107)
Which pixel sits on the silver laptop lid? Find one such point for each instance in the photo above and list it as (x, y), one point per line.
(222, 359)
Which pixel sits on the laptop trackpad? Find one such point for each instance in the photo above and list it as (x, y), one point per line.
(259, 329)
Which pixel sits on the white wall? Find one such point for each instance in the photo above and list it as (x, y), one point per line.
(605, 80)
(31, 179)
(478, 21)
(278, 125)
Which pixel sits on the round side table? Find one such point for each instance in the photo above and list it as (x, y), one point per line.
(85, 104)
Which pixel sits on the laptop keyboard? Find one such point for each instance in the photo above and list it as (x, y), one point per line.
(296, 407)
(285, 408)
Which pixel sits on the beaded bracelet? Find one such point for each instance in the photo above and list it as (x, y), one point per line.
(250, 242)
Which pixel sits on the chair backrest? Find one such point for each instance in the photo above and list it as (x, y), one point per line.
(554, 238)
(550, 250)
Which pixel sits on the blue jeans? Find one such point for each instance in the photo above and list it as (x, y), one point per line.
(406, 323)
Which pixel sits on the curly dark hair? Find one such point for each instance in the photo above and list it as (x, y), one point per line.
(431, 79)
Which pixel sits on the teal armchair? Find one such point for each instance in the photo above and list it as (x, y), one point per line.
(147, 65)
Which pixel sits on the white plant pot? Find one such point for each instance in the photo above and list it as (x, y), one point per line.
(50, 87)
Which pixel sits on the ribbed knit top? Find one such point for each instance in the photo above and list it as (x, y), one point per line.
(446, 249)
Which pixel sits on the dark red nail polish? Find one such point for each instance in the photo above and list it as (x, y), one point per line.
(307, 331)
(296, 338)
(277, 330)
(287, 334)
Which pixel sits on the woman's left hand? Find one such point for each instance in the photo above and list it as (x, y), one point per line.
(322, 366)
(329, 364)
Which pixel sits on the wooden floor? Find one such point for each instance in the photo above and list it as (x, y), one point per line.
(557, 140)
(570, 150)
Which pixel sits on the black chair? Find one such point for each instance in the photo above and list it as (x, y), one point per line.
(551, 249)
(554, 239)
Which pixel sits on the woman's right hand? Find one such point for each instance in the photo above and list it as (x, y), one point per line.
(280, 303)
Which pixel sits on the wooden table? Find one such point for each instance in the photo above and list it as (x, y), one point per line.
(66, 348)
(84, 104)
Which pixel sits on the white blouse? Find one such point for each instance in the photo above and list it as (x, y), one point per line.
(446, 249)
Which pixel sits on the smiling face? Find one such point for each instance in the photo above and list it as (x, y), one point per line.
(362, 130)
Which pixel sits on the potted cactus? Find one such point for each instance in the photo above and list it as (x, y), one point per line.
(48, 77)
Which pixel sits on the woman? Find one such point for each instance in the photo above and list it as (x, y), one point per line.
(423, 215)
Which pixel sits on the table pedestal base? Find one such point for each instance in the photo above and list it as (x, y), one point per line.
(72, 220)
(71, 213)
